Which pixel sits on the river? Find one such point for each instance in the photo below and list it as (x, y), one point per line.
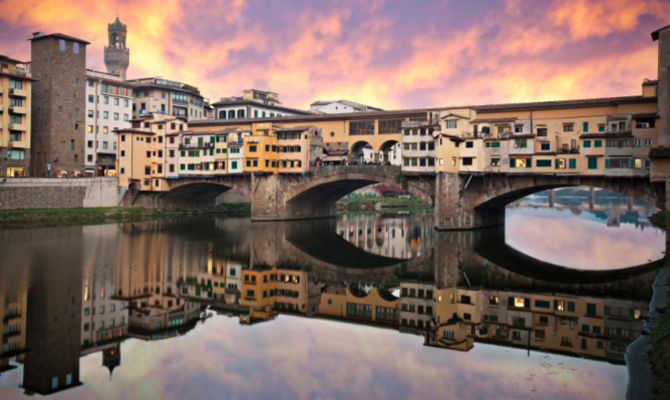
(355, 307)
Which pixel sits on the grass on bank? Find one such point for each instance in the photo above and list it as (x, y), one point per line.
(33, 218)
(659, 356)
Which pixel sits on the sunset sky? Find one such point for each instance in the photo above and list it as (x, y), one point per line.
(390, 54)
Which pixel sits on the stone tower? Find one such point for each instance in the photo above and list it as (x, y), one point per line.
(117, 55)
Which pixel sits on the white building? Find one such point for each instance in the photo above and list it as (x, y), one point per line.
(109, 104)
(253, 104)
(340, 106)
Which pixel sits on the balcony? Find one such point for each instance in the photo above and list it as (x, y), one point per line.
(17, 92)
(17, 127)
(196, 146)
(567, 150)
(17, 109)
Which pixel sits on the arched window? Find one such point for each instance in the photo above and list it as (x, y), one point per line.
(240, 113)
(231, 114)
(222, 114)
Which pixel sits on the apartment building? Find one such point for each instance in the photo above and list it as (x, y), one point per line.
(15, 116)
(58, 106)
(109, 102)
(418, 147)
(143, 160)
(340, 106)
(156, 95)
(253, 104)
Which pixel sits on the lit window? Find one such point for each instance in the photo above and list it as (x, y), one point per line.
(519, 302)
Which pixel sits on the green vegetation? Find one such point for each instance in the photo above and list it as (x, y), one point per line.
(40, 218)
(658, 219)
(659, 356)
(386, 204)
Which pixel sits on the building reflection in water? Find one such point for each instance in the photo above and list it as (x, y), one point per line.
(71, 292)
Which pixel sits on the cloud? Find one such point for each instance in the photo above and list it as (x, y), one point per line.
(387, 54)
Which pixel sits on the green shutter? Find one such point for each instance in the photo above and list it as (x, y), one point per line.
(571, 306)
(607, 163)
(585, 127)
(572, 163)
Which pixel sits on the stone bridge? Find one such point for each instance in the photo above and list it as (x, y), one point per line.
(461, 200)
(313, 195)
(471, 201)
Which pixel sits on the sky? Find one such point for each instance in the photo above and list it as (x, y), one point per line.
(303, 358)
(389, 54)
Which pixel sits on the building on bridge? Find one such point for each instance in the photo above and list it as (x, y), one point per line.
(144, 160)
(603, 137)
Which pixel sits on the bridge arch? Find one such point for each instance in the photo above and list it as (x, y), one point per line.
(313, 195)
(475, 201)
(324, 191)
(356, 150)
(385, 149)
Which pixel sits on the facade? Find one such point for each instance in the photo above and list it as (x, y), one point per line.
(340, 106)
(58, 105)
(109, 102)
(253, 104)
(161, 96)
(143, 159)
(15, 117)
(603, 137)
(117, 55)
(418, 147)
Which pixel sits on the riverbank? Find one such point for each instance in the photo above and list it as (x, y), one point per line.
(44, 218)
(659, 356)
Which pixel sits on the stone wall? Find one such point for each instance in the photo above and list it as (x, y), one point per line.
(25, 193)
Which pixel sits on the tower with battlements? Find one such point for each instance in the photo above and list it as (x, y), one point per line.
(117, 55)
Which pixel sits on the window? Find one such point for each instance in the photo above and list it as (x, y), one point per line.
(116, 116)
(495, 162)
(105, 100)
(468, 144)
(585, 127)
(541, 131)
(520, 143)
(587, 143)
(71, 144)
(592, 163)
(545, 146)
(61, 44)
(560, 163)
(543, 163)
(568, 127)
(252, 149)
(451, 123)
(598, 143)
(362, 128)
(105, 115)
(75, 48)
(572, 163)
(466, 161)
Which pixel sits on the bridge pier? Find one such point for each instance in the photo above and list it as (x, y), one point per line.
(456, 200)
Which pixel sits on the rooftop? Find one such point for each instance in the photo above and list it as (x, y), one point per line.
(40, 36)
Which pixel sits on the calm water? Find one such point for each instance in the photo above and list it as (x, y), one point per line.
(357, 307)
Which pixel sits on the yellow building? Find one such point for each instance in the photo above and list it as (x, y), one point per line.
(146, 152)
(608, 136)
(15, 104)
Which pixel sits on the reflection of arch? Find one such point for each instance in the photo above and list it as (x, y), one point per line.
(491, 245)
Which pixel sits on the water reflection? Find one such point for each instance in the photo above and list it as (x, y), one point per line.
(584, 228)
(178, 298)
